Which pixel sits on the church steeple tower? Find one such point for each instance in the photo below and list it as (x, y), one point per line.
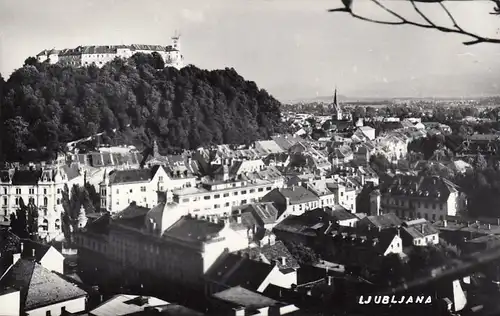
(337, 111)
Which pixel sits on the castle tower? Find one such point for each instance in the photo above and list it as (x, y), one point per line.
(176, 44)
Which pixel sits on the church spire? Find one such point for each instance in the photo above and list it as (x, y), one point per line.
(335, 97)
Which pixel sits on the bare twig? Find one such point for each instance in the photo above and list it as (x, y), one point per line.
(430, 25)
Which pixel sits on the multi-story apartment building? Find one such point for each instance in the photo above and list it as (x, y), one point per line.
(433, 198)
(100, 55)
(158, 242)
(219, 195)
(292, 201)
(42, 188)
(119, 188)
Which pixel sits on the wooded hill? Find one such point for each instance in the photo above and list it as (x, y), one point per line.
(44, 106)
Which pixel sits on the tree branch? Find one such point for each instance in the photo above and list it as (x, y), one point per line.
(456, 29)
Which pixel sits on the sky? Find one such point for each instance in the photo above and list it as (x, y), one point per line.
(294, 49)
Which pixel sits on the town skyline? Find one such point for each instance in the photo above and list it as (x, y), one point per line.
(291, 52)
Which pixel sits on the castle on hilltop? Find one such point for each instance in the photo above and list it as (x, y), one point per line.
(100, 55)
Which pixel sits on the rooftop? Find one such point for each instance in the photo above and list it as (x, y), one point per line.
(194, 230)
(39, 286)
(123, 304)
(298, 195)
(242, 297)
(381, 221)
(234, 270)
(274, 254)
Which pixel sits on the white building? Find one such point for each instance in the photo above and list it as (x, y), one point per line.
(100, 55)
(119, 188)
(218, 197)
(42, 188)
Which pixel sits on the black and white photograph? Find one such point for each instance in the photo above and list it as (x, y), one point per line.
(249, 157)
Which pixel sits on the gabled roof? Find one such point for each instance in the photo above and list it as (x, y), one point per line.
(274, 254)
(381, 221)
(132, 175)
(194, 230)
(264, 213)
(124, 304)
(241, 297)
(234, 270)
(298, 195)
(71, 172)
(38, 286)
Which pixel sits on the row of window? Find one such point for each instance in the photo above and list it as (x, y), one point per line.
(434, 217)
(225, 195)
(30, 191)
(417, 204)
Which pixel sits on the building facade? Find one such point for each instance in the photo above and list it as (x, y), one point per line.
(100, 55)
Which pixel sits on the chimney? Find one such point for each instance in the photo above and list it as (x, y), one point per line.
(33, 252)
(489, 226)
(445, 223)
(422, 228)
(283, 261)
(329, 280)
(380, 228)
(22, 247)
(238, 219)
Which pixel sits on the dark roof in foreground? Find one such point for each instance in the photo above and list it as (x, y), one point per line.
(274, 254)
(242, 297)
(38, 286)
(234, 270)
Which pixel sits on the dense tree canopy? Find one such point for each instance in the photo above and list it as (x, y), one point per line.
(45, 106)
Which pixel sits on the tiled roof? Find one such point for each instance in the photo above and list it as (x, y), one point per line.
(419, 228)
(125, 305)
(430, 187)
(39, 286)
(233, 270)
(265, 213)
(298, 195)
(71, 172)
(194, 230)
(383, 221)
(269, 146)
(242, 297)
(26, 177)
(339, 213)
(310, 223)
(274, 254)
(132, 211)
(131, 176)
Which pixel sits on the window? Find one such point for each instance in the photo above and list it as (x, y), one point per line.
(243, 201)
(206, 197)
(130, 190)
(160, 178)
(5, 191)
(216, 205)
(441, 206)
(235, 193)
(58, 201)
(216, 196)
(252, 190)
(244, 192)
(269, 188)
(44, 191)
(260, 189)
(186, 200)
(31, 191)
(18, 190)
(143, 189)
(58, 191)
(227, 204)
(45, 201)
(117, 191)
(225, 195)
(433, 206)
